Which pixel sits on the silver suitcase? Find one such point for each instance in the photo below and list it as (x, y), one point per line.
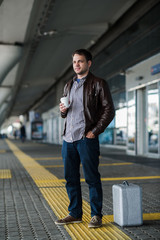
(127, 204)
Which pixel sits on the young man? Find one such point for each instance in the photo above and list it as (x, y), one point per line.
(90, 112)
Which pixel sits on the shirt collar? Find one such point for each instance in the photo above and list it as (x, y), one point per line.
(81, 80)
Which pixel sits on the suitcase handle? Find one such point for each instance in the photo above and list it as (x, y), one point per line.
(125, 183)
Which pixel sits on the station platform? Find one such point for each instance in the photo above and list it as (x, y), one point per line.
(33, 194)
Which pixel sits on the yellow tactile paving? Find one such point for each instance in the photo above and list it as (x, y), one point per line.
(151, 216)
(129, 178)
(53, 166)
(121, 178)
(48, 158)
(115, 164)
(5, 173)
(58, 200)
(101, 164)
(146, 217)
(2, 151)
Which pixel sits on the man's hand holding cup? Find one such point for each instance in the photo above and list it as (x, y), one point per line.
(64, 105)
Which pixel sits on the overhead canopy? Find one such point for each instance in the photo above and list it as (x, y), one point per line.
(37, 39)
(14, 17)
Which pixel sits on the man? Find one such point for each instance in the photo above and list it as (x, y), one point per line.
(23, 132)
(90, 112)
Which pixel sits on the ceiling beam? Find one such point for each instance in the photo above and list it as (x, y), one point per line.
(139, 9)
(10, 55)
(38, 20)
(1, 2)
(6, 86)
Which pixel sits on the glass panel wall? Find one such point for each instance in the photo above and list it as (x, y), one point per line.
(121, 126)
(131, 120)
(107, 137)
(153, 118)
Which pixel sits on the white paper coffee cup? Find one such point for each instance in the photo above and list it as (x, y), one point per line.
(65, 101)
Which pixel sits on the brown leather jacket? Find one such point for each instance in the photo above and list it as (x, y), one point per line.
(98, 105)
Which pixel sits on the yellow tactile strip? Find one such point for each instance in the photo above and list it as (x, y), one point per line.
(101, 164)
(2, 151)
(5, 173)
(56, 196)
(146, 217)
(48, 158)
(120, 178)
(58, 200)
(151, 216)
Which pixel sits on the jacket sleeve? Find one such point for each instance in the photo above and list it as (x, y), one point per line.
(107, 109)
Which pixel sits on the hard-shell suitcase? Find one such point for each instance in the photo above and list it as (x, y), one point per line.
(127, 204)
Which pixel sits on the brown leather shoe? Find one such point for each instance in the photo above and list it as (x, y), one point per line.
(67, 220)
(95, 222)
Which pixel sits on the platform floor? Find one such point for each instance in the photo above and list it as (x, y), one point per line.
(33, 195)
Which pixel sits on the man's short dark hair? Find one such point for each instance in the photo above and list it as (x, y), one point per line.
(83, 52)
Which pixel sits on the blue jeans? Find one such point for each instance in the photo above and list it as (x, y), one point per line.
(85, 151)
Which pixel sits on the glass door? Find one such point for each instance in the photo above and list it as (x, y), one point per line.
(131, 121)
(153, 118)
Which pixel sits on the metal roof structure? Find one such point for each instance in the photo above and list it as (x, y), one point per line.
(37, 38)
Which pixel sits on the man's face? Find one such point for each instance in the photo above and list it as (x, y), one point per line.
(80, 65)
